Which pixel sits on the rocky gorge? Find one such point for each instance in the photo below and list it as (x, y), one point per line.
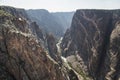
(22, 53)
(89, 49)
(88, 44)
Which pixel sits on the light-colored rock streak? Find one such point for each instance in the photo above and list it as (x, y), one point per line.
(70, 68)
(96, 27)
(91, 20)
(58, 45)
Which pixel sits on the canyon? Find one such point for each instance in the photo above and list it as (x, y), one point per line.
(31, 47)
(88, 44)
(54, 23)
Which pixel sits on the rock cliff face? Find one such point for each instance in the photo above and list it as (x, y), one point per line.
(37, 31)
(55, 23)
(22, 57)
(46, 21)
(90, 48)
(113, 55)
(64, 18)
(16, 12)
(91, 45)
(52, 48)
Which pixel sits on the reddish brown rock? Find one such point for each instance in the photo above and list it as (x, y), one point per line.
(21, 55)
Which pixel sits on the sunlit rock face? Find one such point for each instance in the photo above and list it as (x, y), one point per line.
(22, 57)
(91, 44)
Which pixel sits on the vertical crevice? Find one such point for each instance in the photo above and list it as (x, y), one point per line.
(103, 51)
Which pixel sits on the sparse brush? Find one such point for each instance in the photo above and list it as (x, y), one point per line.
(4, 13)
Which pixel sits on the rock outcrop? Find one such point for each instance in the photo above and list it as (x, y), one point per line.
(22, 57)
(37, 31)
(16, 12)
(91, 45)
(52, 48)
(112, 60)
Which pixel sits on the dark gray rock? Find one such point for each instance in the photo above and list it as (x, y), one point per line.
(89, 39)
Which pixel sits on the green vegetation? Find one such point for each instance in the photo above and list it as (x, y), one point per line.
(79, 71)
(4, 13)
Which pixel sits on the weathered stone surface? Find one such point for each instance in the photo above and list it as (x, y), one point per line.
(16, 12)
(91, 47)
(37, 31)
(51, 44)
(21, 55)
(86, 44)
(112, 60)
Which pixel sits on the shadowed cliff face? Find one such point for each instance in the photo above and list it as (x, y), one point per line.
(113, 55)
(37, 31)
(86, 44)
(22, 56)
(64, 18)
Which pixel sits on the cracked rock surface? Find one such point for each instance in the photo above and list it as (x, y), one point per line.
(91, 45)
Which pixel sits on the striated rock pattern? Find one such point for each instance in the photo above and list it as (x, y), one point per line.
(91, 46)
(22, 56)
(112, 60)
